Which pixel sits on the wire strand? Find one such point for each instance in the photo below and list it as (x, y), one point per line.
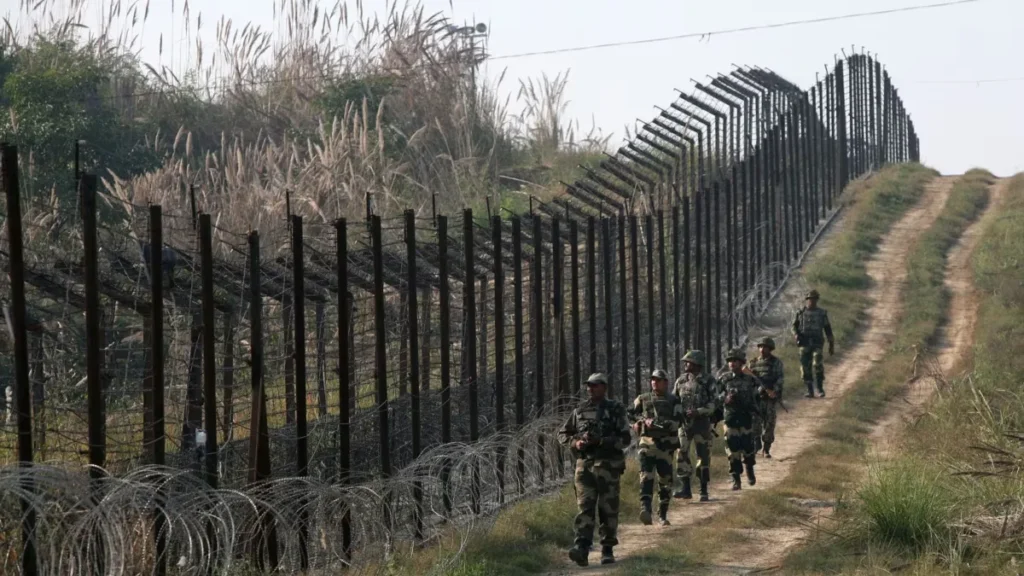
(736, 30)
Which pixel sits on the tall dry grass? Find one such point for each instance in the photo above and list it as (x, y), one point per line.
(336, 105)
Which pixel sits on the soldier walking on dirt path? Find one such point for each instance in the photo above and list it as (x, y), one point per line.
(696, 390)
(768, 369)
(741, 407)
(808, 326)
(656, 416)
(597, 435)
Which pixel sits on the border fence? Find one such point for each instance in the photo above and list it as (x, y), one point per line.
(179, 398)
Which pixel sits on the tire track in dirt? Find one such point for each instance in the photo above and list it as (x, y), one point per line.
(799, 426)
(955, 338)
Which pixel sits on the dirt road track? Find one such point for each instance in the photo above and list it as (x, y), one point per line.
(955, 338)
(798, 427)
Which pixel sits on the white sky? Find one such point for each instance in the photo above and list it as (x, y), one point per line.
(933, 56)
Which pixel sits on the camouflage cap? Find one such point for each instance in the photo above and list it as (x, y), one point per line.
(767, 342)
(597, 378)
(695, 357)
(659, 374)
(736, 354)
(812, 295)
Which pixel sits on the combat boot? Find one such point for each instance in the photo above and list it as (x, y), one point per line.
(767, 450)
(821, 387)
(736, 468)
(645, 512)
(663, 513)
(606, 555)
(705, 477)
(750, 474)
(810, 389)
(686, 493)
(579, 554)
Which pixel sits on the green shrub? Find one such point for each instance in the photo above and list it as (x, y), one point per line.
(907, 504)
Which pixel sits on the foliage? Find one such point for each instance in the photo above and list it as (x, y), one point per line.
(57, 92)
(907, 504)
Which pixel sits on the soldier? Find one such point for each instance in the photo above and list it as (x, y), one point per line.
(696, 391)
(808, 325)
(656, 416)
(768, 369)
(740, 399)
(597, 434)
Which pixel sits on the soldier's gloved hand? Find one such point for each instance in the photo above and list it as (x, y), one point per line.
(691, 413)
(579, 444)
(831, 348)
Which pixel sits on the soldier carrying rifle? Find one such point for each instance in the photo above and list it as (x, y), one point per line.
(656, 416)
(597, 434)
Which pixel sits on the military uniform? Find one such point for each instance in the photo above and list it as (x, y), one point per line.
(770, 372)
(697, 393)
(740, 399)
(658, 442)
(808, 327)
(599, 466)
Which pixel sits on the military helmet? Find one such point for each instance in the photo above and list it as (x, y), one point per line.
(767, 342)
(659, 374)
(812, 295)
(597, 378)
(695, 357)
(735, 354)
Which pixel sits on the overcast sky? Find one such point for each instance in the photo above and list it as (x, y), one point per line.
(935, 56)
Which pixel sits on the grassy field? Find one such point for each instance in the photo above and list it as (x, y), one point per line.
(903, 516)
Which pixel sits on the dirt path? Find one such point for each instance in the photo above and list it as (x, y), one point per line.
(799, 426)
(953, 348)
(955, 338)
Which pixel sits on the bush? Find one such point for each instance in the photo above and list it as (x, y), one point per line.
(907, 504)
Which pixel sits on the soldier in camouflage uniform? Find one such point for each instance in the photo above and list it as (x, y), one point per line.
(740, 400)
(696, 390)
(808, 326)
(597, 434)
(768, 369)
(656, 416)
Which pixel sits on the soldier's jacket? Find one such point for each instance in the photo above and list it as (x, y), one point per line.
(769, 372)
(697, 392)
(744, 406)
(808, 326)
(606, 423)
(666, 411)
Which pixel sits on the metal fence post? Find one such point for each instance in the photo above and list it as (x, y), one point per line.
(634, 259)
(445, 334)
(380, 346)
(23, 391)
(345, 305)
(519, 361)
(259, 435)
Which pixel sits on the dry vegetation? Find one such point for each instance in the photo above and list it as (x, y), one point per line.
(337, 106)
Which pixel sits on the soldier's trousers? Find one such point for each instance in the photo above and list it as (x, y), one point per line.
(812, 365)
(597, 497)
(655, 458)
(701, 440)
(739, 446)
(768, 425)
